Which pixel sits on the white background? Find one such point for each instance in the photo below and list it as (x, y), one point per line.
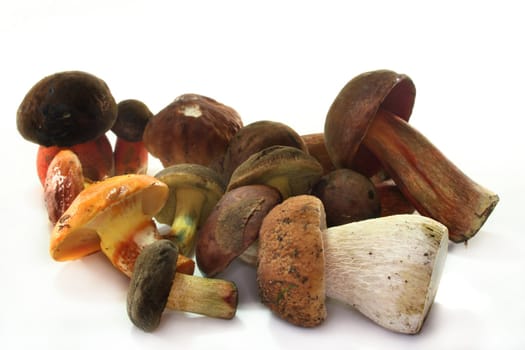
(282, 61)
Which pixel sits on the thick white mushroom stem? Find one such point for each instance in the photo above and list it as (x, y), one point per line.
(387, 268)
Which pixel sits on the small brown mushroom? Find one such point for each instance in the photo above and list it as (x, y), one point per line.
(155, 285)
(317, 149)
(286, 168)
(373, 110)
(233, 226)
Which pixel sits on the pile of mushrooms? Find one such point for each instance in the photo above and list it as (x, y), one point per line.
(361, 212)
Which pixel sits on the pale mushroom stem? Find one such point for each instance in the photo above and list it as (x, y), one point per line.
(435, 186)
(186, 220)
(388, 268)
(205, 296)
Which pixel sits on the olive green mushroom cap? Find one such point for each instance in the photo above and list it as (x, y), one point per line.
(65, 109)
(286, 168)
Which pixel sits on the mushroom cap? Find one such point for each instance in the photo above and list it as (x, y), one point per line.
(291, 266)
(255, 137)
(65, 109)
(192, 129)
(233, 226)
(190, 176)
(300, 170)
(353, 111)
(151, 284)
(132, 118)
(75, 233)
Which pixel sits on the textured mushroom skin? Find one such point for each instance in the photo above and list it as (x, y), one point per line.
(151, 283)
(132, 118)
(290, 270)
(66, 108)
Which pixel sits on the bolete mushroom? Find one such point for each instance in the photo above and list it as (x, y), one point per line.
(130, 154)
(387, 268)
(392, 200)
(373, 110)
(255, 137)
(317, 148)
(193, 192)
(286, 168)
(233, 227)
(192, 129)
(115, 216)
(155, 285)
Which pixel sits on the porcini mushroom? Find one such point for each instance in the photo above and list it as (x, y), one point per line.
(193, 192)
(387, 268)
(115, 216)
(130, 155)
(373, 110)
(233, 226)
(255, 137)
(286, 168)
(155, 285)
(192, 129)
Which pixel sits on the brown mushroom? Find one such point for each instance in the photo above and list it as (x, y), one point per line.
(373, 110)
(392, 200)
(192, 129)
(317, 148)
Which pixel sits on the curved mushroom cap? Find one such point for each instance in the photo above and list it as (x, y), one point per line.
(233, 226)
(65, 109)
(291, 267)
(132, 118)
(192, 129)
(75, 233)
(286, 168)
(151, 284)
(354, 108)
(255, 137)
(190, 176)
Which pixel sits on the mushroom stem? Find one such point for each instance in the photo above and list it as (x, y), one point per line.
(130, 157)
(388, 268)
(435, 186)
(187, 214)
(281, 183)
(205, 296)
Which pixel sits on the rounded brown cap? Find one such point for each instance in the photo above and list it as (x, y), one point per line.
(354, 108)
(290, 271)
(65, 109)
(132, 118)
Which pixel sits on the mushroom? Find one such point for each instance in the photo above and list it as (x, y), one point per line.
(317, 148)
(193, 192)
(347, 196)
(373, 110)
(255, 137)
(286, 168)
(387, 268)
(392, 199)
(233, 227)
(131, 156)
(192, 129)
(115, 216)
(155, 285)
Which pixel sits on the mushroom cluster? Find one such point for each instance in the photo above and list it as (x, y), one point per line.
(361, 212)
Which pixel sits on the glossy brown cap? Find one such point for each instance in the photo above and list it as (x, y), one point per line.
(132, 118)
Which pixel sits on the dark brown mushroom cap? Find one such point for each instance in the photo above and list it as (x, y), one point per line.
(291, 266)
(132, 118)
(192, 129)
(255, 137)
(289, 169)
(65, 109)
(233, 226)
(354, 108)
(151, 284)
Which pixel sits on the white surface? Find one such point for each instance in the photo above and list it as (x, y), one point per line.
(279, 61)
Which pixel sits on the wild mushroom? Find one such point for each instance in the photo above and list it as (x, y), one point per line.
(193, 192)
(255, 137)
(392, 200)
(192, 129)
(347, 196)
(115, 216)
(317, 148)
(131, 156)
(286, 168)
(373, 110)
(387, 268)
(155, 285)
(233, 227)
